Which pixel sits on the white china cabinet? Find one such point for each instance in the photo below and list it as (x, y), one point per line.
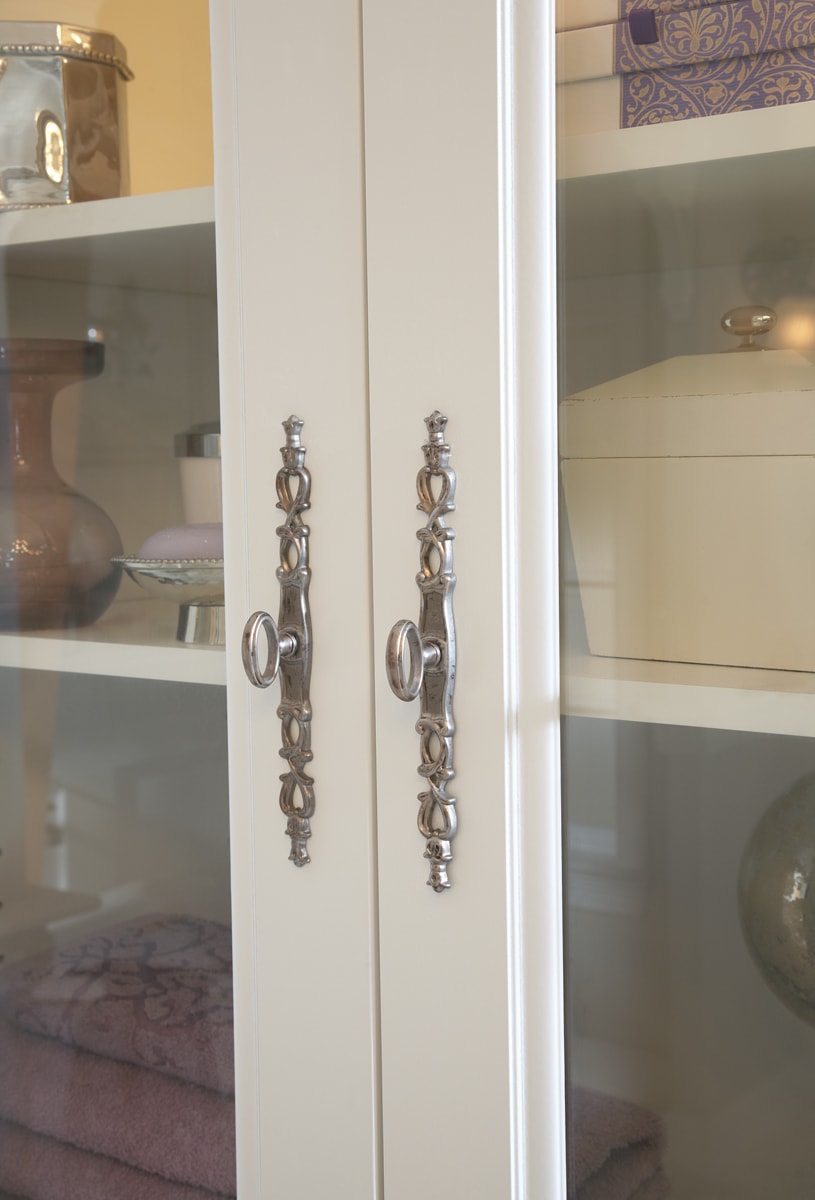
(397, 229)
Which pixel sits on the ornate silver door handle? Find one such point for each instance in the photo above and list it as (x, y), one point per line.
(288, 644)
(421, 659)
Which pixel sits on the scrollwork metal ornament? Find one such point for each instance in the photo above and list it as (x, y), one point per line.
(294, 576)
(289, 644)
(422, 659)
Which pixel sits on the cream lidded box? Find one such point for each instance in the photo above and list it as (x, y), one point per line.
(689, 492)
(63, 114)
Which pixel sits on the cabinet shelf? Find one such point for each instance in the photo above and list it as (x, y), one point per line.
(701, 139)
(134, 640)
(695, 193)
(162, 243)
(708, 697)
(165, 242)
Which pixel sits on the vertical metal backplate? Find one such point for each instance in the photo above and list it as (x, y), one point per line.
(436, 485)
(294, 622)
(420, 660)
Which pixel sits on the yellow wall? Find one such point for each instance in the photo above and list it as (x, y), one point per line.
(169, 102)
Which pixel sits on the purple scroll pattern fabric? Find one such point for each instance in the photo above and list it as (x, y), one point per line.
(715, 32)
(710, 89)
(155, 992)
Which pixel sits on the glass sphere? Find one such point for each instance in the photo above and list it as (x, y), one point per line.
(776, 893)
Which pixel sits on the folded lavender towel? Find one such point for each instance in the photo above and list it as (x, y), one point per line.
(41, 1169)
(139, 1117)
(156, 992)
(614, 1149)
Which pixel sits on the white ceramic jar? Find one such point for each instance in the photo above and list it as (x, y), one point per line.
(198, 450)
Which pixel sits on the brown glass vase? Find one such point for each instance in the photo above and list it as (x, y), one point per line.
(56, 546)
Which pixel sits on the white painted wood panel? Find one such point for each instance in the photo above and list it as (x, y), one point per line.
(289, 221)
(461, 319)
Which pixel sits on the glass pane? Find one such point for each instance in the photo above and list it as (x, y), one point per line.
(687, 382)
(116, 1024)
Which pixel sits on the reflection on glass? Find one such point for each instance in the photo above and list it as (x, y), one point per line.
(116, 1022)
(116, 1012)
(53, 151)
(687, 502)
(56, 546)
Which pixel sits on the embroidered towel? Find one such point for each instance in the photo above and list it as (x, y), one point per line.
(139, 1117)
(39, 1168)
(156, 992)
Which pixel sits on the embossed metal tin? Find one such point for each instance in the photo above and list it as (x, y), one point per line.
(62, 114)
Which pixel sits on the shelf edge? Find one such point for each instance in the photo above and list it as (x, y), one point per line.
(101, 218)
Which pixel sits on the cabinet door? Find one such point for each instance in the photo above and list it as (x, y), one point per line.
(115, 991)
(433, 1035)
(460, 275)
(290, 221)
(687, 681)
(117, 807)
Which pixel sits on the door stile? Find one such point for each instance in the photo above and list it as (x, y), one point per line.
(458, 196)
(235, 516)
(534, 873)
(289, 202)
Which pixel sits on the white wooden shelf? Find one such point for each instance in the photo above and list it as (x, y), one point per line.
(708, 697)
(134, 640)
(701, 139)
(164, 242)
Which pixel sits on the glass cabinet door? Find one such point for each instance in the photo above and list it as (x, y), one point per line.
(136, 856)
(116, 977)
(686, 376)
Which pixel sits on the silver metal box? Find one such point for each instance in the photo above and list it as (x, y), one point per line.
(62, 114)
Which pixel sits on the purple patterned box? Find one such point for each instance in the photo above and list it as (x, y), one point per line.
(648, 39)
(709, 89)
(668, 60)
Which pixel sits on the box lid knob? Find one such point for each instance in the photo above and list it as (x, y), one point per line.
(747, 322)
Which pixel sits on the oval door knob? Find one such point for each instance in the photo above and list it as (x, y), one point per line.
(406, 656)
(277, 646)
